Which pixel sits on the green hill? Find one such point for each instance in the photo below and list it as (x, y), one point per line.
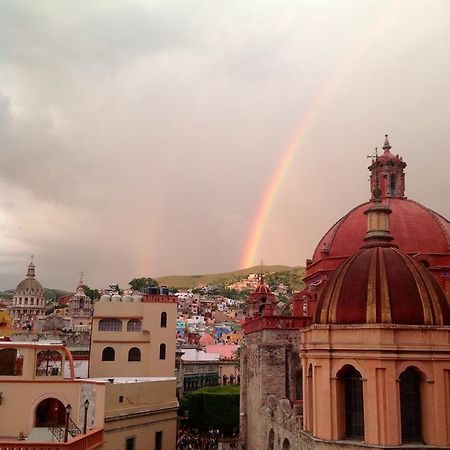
(197, 281)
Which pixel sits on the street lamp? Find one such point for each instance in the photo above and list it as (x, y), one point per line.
(86, 406)
(66, 429)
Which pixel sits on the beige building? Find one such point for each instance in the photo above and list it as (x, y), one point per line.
(133, 336)
(130, 404)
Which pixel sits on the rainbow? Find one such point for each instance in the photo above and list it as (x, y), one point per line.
(288, 155)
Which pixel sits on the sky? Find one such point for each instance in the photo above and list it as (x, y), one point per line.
(138, 138)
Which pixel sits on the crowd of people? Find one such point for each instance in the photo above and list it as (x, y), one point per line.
(187, 440)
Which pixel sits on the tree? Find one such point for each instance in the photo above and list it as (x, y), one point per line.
(116, 288)
(93, 294)
(139, 284)
(213, 407)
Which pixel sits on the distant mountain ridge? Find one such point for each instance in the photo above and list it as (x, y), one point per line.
(197, 281)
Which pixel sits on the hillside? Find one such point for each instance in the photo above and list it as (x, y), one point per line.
(196, 281)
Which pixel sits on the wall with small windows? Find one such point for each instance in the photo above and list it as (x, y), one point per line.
(133, 338)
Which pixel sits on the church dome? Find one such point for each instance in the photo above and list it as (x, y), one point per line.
(382, 285)
(416, 229)
(30, 286)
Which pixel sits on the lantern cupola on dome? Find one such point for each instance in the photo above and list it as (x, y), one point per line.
(387, 174)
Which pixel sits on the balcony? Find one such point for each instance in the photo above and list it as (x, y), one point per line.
(89, 441)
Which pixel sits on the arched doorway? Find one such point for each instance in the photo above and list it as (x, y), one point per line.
(286, 444)
(50, 412)
(271, 444)
(351, 382)
(410, 405)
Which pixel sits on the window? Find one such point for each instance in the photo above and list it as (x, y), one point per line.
(108, 354)
(11, 362)
(134, 354)
(410, 406)
(162, 351)
(299, 384)
(134, 325)
(158, 440)
(393, 184)
(129, 443)
(110, 325)
(163, 319)
(48, 363)
(271, 444)
(354, 405)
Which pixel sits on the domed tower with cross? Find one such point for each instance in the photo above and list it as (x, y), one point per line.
(28, 302)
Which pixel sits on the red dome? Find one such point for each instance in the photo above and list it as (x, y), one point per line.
(382, 285)
(416, 229)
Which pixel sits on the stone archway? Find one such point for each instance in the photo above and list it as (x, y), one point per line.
(50, 412)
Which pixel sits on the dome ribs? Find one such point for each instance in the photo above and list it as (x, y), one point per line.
(384, 292)
(371, 313)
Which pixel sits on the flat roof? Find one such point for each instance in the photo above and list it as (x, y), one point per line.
(125, 380)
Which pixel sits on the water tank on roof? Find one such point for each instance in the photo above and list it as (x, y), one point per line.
(116, 298)
(137, 298)
(105, 298)
(127, 298)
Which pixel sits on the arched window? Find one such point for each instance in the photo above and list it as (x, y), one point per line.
(110, 325)
(393, 180)
(163, 319)
(108, 354)
(134, 354)
(286, 444)
(410, 406)
(271, 444)
(162, 351)
(134, 325)
(310, 399)
(351, 382)
(11, 362)
(48, 363)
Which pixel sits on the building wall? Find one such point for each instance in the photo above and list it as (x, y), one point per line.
(380, 354)
(268, 359)
(148, 340)
(139, 411)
